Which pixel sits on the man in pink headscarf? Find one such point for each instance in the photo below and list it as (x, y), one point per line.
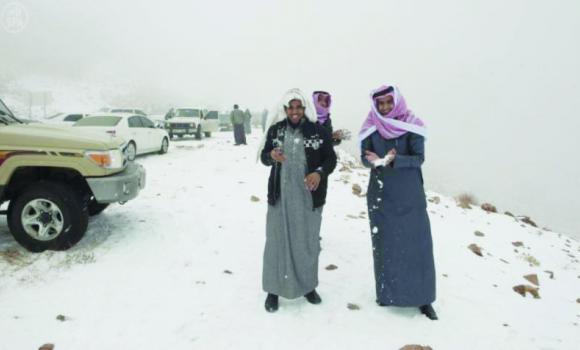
(392, 143)
(322, 102)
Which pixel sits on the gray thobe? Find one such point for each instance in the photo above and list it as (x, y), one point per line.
(292, 228)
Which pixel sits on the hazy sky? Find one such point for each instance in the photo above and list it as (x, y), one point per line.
(497, 82)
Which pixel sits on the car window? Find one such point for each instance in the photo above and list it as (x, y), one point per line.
(135, 122)
(98, 121)
(147, 123)
(211, 115)
(73, 117)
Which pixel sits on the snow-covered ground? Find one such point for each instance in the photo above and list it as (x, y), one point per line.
(180, 268)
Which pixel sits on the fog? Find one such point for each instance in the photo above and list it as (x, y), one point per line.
(496, 82)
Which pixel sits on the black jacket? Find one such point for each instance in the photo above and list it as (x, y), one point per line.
(328, 126)
(320, 157)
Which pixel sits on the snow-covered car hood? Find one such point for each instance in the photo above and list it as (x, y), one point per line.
(44, 135)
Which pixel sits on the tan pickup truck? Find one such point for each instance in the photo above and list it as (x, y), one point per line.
(54, 178)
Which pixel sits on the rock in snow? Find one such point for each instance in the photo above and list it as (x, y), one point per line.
(524, 289)
(475, 249)
(533, 278)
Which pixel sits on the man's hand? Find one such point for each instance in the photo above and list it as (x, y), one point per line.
(375, 160)
(277, 155)
(371, 156)
(312, 181)
(341, 134)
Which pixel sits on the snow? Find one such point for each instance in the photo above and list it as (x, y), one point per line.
(180, 268)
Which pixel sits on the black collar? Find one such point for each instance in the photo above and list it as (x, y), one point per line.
(298, 125)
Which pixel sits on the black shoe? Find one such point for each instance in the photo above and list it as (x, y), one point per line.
(428, 311)
(313, 298)
(271, 304)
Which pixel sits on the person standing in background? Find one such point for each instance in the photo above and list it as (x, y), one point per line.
(247, 122)
(237, 119)
(322, 101)
(264, 119)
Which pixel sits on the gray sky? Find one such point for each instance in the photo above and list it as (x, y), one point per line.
(496, 82)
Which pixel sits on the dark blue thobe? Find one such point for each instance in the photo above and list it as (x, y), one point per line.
(400, 228)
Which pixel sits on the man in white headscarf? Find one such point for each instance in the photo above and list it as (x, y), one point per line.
(301, 156)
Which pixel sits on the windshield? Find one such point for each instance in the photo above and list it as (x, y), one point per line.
(211, 115)
(188, 112)
(54, 116)
(99, 121)
(6, 117)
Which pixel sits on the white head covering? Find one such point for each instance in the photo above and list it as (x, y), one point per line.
(278, 113)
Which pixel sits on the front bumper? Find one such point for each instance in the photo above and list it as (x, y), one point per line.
(120, 187)
(178, 131)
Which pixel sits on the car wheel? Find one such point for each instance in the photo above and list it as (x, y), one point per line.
(198, 133)
(48, 215)
(95, 208)
(131, 151)
(164, 146)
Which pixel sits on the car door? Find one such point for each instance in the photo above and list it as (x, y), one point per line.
(138, 133)
(211, 122)
(153, 134)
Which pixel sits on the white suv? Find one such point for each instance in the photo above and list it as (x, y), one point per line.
(190, 121)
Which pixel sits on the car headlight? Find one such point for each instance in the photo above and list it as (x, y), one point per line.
(111, 159)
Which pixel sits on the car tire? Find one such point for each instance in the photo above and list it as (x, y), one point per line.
(48, 216)
(164, 146)
(131, 151)
(198, 133)
(95, 208)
